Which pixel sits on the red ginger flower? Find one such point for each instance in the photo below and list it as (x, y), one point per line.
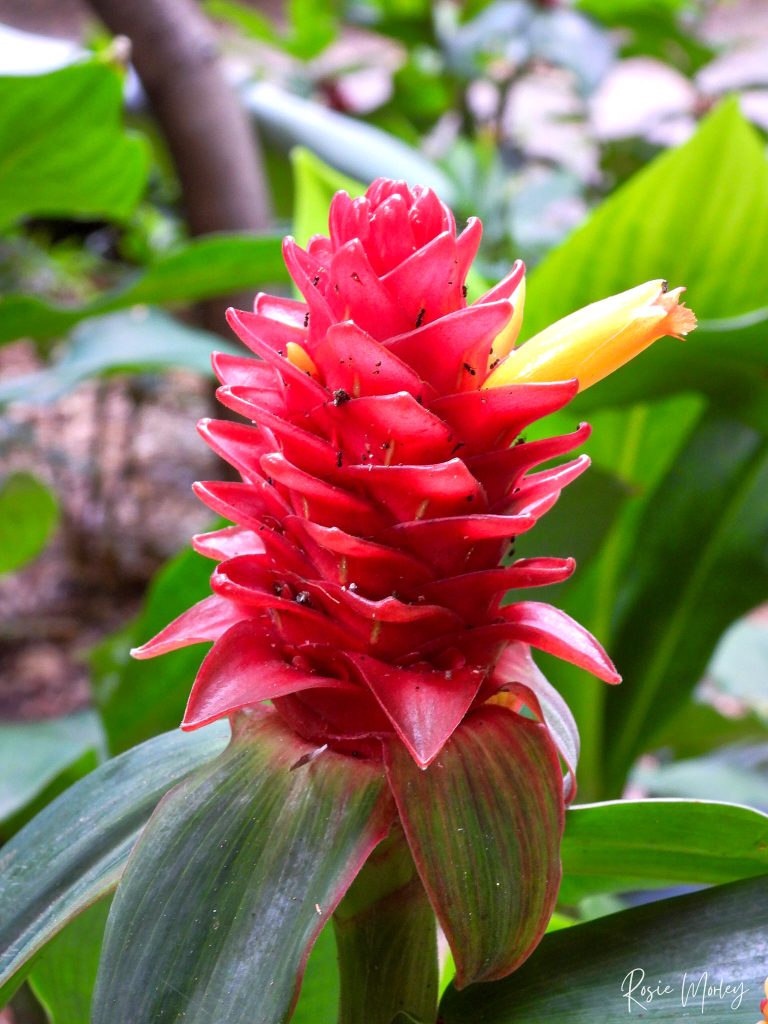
(361, 587)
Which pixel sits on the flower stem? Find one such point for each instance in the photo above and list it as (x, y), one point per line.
(386, 940)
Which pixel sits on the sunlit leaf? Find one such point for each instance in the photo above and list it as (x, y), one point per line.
(644, 844)
(64, 150)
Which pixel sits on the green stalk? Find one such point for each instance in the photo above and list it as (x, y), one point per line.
(386, 940)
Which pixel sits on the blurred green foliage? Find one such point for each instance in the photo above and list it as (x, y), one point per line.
(671, 524)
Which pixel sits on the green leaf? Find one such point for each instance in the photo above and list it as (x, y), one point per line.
(313, 24)
(704, 543)
(29, 514)
(656, 226)
(315, 186)
(139, 699)
(142, 340)
(584, 974)
(387, 940)
(267, 852)
(64, 150)
(202, 268)
(636, 447)
(63, 977)
(33, 754)
(624, 845)
(319, 996)
(353, 147)
(74, 851)
(484, 823)
(244, 18)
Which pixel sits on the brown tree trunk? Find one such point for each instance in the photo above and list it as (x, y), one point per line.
(213, 145)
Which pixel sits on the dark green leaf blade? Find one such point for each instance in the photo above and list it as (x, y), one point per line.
(704, 563)
(267, 853)
(576, 975)
(642, 844)
(75, 850)
(484, 823)
(63, 977)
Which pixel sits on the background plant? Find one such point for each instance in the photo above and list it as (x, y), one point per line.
(101, 264)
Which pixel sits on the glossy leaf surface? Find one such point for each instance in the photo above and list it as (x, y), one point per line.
(75, 850)
(484, 824)
(268, 847)
(577, 974)
(643, 844)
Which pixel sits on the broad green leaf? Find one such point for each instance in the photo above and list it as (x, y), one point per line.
(484, 823)
(142, 340)
(139, 699)
(353, 147)
(657, 226)
(63, 977)
(315, 186)
(201, 268)
(624, 845)
(319, 996)
(268, 847)
(75, 850)
(29, 514)
(33, 754)
(593, 972)
(704, 540)
(64, 150)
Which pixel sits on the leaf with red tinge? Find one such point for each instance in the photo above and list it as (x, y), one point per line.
(484, 822)
(233, 879)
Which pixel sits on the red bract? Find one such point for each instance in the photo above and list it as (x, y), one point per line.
(361, 588)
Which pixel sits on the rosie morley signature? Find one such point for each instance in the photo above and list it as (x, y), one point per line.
(698, 990)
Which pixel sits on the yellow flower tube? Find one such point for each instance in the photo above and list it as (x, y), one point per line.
(598, 339)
